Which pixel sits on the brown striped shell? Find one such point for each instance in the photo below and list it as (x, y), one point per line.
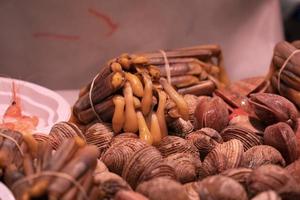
(186, 166)
(267, 195)
(262, 155)
(61, 131)
(100, 134)
(123, 136)
(246, 136)
(294, 170)
(180, 127)
(224, 156)
(109, 184)
(270, 177)
(205, 140)
(174, 144)
(221, 187)
(162, 189)
(239, 174)
(191, 189)
(40, 137)
(120, 152)
(282, 137)
(138, 162)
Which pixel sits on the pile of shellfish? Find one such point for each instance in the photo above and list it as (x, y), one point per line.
(138, 93)
(240, 142)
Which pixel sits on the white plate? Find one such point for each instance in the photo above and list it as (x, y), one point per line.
(37, 101)
(5, 193)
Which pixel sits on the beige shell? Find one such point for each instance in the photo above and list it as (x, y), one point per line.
(61, 131)
(109, 184)
(100, 134)
(246, 136)
(221, 187)
(270, 177)
(162, 189)
(262, 155)
(224, 156)
(267, 195)
(120, 152)
(186, 166)
(138, 162)
(282, 137)
(205, 140)
(174, 144)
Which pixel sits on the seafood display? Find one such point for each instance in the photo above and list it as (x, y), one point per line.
(134, 136)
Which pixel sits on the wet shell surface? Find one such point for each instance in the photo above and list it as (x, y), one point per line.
(186, 166)
(262, 155)
(239, 174)
(61, 131)
(162, 189)
(224, 156)
(99, 134)
(174, 144)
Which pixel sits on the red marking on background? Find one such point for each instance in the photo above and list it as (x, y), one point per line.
(106, 19)
(55, 36)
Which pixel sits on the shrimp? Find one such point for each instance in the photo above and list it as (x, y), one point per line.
(13, 117)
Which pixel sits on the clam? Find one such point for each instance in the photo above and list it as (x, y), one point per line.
(270, 177)
(224, 156)
(109, 184)
(40, 137)
(245, 135)
(294, 170)
(272, 108)
(191, 190)
(138, 162)
(205, 140)
(100, 168)
(221, 187)
(123, 136)
(174, 144)
(211, 112)
(282, 137)
(262, 155)
(120, 152)
(239, 174)
(186, 166)
(267, 195)
(192, 102)
(99, 134)
(162, 189)
(180, 127)
(63, 130)
(129, 195)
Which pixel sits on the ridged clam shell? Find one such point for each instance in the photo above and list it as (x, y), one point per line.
(162, 189)
(129, 195)
(205, 140)
(294, 170)
(100, 134)
(272, 108)
(173, 144)
(270, 177)
(40, 137)
(191, 190)
(186, 166)
(117, 155)
(221, 187)
(63, 130)
(239, 174)
(180, 127)
(192, 102)
(224, 156)
(211, 112)
(262, 155)
(282, 137)
(100, 167)
(138, 162)
(123, 136)
(267, 195)
(246, 136)
(109, 184)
